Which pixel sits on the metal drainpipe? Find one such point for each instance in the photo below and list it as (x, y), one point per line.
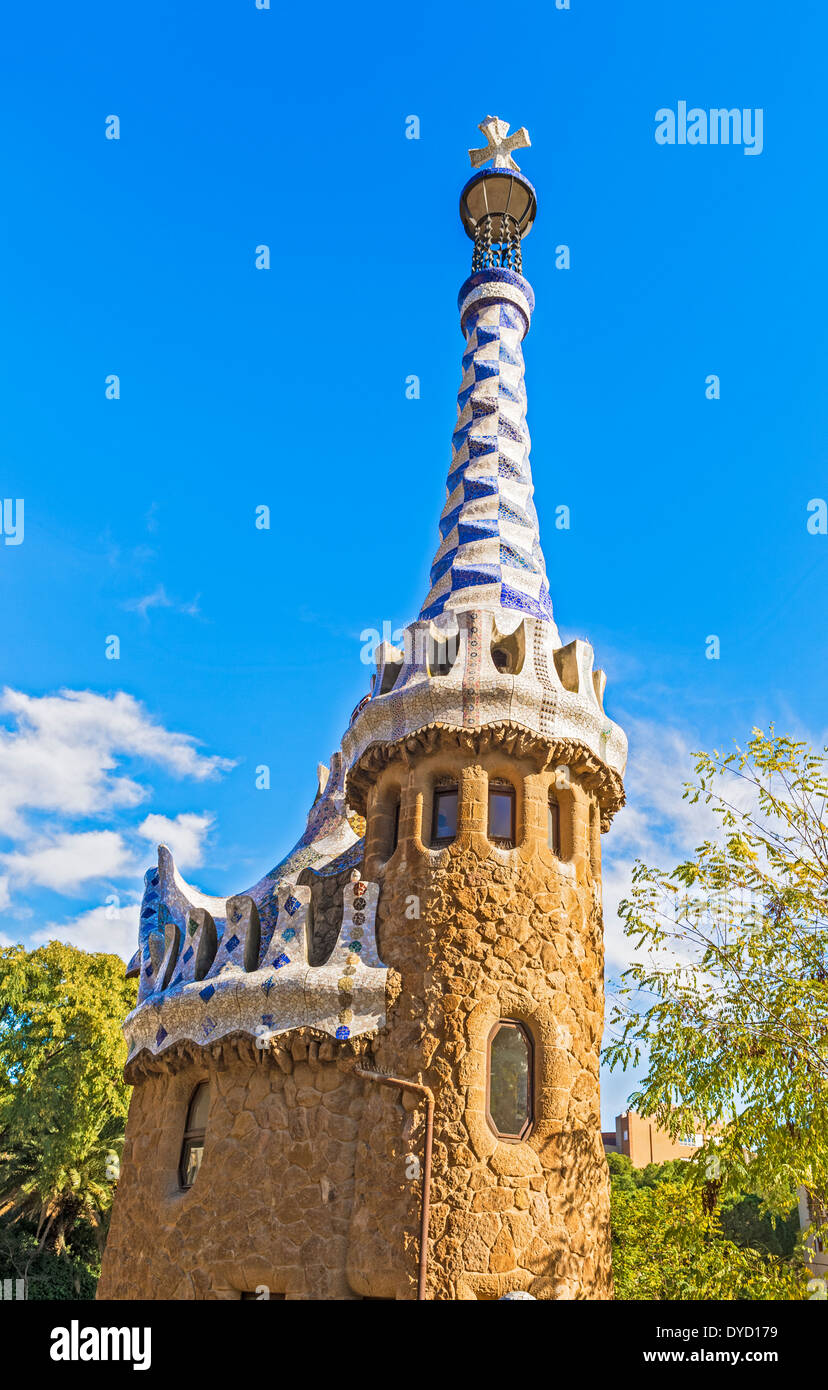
(397, 1083)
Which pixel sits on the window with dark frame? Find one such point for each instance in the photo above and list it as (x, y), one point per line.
(192, 1148)
(502, 815)
(510, 1082)
(553, 826)
(444, 817)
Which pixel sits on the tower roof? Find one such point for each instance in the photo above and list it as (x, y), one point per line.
(484, 659)
(490, 556)
(485, 650)
(490, 552)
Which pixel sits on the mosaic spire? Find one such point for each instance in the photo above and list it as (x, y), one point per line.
(490, 554)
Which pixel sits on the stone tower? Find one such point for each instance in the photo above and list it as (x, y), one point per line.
(375, 1074)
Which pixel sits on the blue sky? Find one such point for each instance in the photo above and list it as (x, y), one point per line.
(240, 387)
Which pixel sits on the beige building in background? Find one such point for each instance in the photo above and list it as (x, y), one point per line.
(641, 1140)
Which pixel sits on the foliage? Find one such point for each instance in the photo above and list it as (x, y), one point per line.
(672, 1238)
(626, 1178)
(667, 1244)
(728, 996)
(63, 1101)
(746, 1224)
(72, 1274)
(742, 1219)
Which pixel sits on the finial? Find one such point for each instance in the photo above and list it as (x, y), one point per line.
(498, 205)
(499, 144)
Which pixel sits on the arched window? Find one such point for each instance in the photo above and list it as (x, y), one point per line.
(502, 814)
(444, 817)
(553, 826)
(192, 1148)
(510, 1098)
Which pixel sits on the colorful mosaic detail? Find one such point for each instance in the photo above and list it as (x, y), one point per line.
(471, 677)
(490, 554)
(344, 997)
(549, 698)
(348, 860)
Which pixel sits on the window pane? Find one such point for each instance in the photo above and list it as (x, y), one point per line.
(199, 1106)
(445, 821)
(509, 1080)
(501, 805)
(554, 827)
(191, 1161)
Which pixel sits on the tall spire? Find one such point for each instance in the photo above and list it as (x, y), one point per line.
(485, 654)
(490, 554)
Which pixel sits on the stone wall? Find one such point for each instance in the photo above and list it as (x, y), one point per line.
(500, 933)
(272, 1202)
(311, 1182)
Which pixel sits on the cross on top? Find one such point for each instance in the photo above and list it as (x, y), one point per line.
(499, 144)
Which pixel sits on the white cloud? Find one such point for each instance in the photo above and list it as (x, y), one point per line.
(62, 755)
(655, 825)
(185, 836)
(5, 896)
(109, 927)
(159, 598)
(69, 860)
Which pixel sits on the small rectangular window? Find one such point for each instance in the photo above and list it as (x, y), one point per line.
(553, 826)
(396, 838)
(444, 820)
(502, 816)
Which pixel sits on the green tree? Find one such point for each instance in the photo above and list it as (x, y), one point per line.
(746, 1224)
(727, 999)
(71, 1274)
(668, 1244)
(625, 1178)
(63, 1101)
